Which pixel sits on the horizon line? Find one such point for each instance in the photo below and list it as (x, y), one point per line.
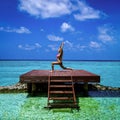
(51, 60)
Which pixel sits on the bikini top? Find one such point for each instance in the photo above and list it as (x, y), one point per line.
(58, 56)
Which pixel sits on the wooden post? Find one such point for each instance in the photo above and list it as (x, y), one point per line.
(86, 88)
(33, 87)
(29, 87)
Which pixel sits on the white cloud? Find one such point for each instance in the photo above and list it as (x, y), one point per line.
(30, 47)
(46, 8)
(37, 45)
(74, 47)
(86, 12)
(66, 27)
(57, 8)
(68, 44)
(20, 30)
(80, 47)
(105, 34)
(42, 30)
(53, 47)
(94, 44)
(54, 38)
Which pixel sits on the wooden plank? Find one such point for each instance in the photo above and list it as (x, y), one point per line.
(61, 86)
(60, 81)
(63, 105)
(61, 92)
(61, 98)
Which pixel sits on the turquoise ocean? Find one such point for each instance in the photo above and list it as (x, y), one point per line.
(109, 71)
(19, 106)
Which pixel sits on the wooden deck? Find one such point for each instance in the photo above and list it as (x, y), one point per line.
(42, 76)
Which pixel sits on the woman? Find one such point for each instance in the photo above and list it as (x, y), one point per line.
(59, 58)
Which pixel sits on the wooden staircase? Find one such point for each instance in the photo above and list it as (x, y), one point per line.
(61, 93)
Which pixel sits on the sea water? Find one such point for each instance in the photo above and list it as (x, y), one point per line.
(109, 72)
(18, 106)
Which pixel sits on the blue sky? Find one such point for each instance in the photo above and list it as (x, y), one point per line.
(34, 29)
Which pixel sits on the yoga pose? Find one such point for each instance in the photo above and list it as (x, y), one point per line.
(59, 58)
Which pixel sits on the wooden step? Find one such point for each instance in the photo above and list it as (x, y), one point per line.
(60, 80)
(61, 98)
(61, 86)
(61, 92)
(63, 105)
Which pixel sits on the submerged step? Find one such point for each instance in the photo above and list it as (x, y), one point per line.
(61, 92)
(61, 98)
(63, 105)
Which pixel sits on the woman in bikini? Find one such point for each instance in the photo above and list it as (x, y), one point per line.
(59, 58)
